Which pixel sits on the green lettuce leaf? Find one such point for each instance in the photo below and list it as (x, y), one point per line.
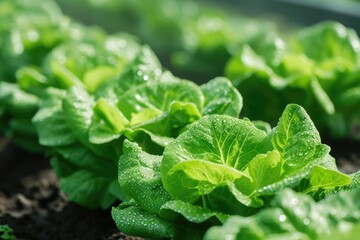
(324, 81)
(221, 98)
(295, 216)
(140, 178)
(133, 220)
(219, 151)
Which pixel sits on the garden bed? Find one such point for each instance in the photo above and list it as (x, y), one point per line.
(32, 204)
(87, 111)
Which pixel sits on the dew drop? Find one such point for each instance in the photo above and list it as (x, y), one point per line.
(282, 218)
(306, 221)
(294, 201)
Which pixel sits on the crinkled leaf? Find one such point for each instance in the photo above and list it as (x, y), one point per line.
(229, 200)
(221, 98)
(191, 179)
(172, 121)
(50, 122)
(93, 78)
(31, 79)
(140, 177)
(294, 216)
(219, 139)
(88, 63)
(355, 178)
(145, 67)
(78, 108)
(133, 220)
(84, 158)
(326, 179)
(150, 142)
(298, 140)
(192, 213)
(159, 95)
(332, 42)
(210, 153)
(265, 169)
(107, 124)
(88, 189)
(17, 101)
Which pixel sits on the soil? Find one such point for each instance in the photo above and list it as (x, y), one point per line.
(32, 204)
(347, 154)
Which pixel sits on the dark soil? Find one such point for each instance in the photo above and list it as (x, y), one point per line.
(31, 203)
(347, 154)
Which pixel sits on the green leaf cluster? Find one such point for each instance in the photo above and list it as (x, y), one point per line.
(223, 166)
(6, 232)
(84, 63)
(88, 92)
(296, 216)
(117, 126)
(28, 33)
(86, 131)
(316, 68)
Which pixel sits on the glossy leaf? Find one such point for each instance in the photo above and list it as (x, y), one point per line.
(221, 98)
(294, 216)
(88, 189)
(140, 178)
(134, 220)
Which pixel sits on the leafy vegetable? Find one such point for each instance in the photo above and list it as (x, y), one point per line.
(17, 106)
(79, 63)
(296, 216)
(222, 166)
(154, 209)
(102, 105)
(200, 39)
(318, 69)
(150, 108)
(28, 31)
(6, 232)
(221, 151)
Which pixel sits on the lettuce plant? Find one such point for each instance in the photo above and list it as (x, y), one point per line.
(141, 104)
(221, 166)
(293, 215)
(309, 69)
(87, 63)
(28, 31)
(64, 117)
(317, 69)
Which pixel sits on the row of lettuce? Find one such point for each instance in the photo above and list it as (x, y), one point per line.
(117, 126)
(316, 67)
